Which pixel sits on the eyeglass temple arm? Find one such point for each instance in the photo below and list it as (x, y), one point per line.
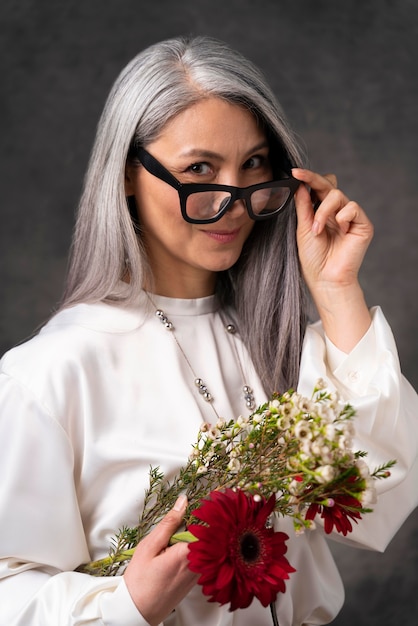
(156, 169)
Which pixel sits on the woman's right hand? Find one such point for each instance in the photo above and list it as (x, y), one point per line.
(158, 576)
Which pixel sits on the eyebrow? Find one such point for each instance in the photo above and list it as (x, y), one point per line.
(209, 154)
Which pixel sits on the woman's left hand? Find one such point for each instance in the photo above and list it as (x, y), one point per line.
(332, 241)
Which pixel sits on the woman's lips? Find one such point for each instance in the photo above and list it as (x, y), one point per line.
(223, 236)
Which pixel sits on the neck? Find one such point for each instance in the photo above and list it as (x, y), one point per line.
(182, 289)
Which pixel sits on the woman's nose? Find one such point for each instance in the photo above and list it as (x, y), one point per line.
(237, 208)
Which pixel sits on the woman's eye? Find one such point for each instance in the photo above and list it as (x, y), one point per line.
(255, 162)
(199, 168)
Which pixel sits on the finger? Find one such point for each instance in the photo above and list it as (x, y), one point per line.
(338, 210)
(320, 184)
(328, 210)
(316, 218)
(314, 196)
(353, 215)
(159, 537)
(303, 204)
(332, 179)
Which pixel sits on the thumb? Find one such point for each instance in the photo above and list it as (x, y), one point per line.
(159, 538)
(304, 211)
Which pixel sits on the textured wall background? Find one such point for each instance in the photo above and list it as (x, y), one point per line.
(346, 74)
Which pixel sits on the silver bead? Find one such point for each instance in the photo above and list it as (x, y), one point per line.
(249, 397)
(164, 319)
(231, 329)
(203, 390)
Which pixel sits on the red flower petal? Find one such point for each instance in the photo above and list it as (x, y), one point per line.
(345, 508)
(237, 557)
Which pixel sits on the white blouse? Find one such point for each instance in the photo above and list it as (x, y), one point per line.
(102, 393)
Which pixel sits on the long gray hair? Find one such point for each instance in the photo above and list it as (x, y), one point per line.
(265, 287)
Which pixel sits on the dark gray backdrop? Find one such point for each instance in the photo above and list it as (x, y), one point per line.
(346, 74)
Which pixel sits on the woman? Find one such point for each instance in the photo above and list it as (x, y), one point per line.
(105, 390)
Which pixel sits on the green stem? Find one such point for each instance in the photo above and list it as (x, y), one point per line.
(185, 536)
(99, 565)
(95, 566)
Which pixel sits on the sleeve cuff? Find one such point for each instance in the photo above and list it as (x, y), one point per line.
(356, 368)
(119, 608)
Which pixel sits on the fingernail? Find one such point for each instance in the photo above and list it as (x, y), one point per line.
(315, 227)
(299, 171)
(180, 503)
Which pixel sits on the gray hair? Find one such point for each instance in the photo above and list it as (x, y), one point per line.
(264, 288)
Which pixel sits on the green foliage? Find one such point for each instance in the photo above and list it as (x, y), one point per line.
(294, 447)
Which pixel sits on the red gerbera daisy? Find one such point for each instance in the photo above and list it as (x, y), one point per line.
(343, 507)
(236, 556)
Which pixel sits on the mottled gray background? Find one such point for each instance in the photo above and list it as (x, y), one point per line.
(346, 74)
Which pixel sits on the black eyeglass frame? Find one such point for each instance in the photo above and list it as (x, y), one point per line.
(184, 190)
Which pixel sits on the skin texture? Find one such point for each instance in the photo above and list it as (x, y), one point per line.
(158, 577)
(217, 142)
(332, 243)
(210, 142)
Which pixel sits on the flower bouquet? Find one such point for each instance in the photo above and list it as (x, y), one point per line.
(292, 457)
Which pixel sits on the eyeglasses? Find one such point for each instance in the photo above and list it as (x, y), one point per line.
(207, 203)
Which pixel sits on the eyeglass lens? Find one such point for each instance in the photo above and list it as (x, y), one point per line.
(206, 204)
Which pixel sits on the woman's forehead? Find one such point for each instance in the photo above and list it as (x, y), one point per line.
(212, 125)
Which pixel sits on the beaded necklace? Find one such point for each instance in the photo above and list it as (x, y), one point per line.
(199, 383)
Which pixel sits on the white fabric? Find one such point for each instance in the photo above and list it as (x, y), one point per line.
(102, 394)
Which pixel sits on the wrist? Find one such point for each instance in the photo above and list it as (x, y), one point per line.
(344, 314)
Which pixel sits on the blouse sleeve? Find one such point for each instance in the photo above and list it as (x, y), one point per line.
(386, 421)
(41, 531)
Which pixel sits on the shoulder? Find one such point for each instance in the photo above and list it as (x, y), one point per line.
(99, 317)
(72, 337)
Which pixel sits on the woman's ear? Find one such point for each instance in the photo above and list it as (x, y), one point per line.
(130, 171)
(133, 211)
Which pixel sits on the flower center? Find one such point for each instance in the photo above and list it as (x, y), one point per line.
(250, 547)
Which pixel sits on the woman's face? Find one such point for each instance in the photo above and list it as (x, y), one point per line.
(212, 141)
